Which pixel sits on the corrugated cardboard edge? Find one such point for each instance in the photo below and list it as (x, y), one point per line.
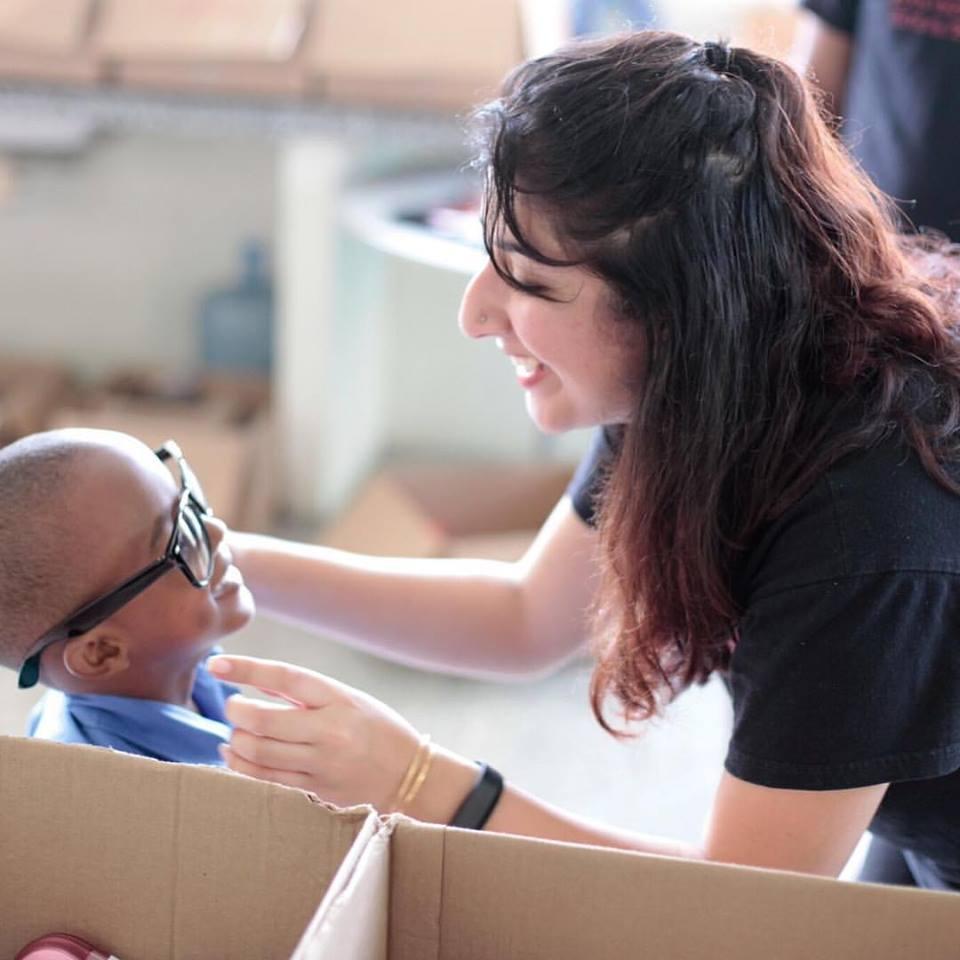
(147, 857)
(416, 890)
(352, 919)
(462, 895)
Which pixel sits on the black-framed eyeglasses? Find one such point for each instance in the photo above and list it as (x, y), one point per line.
(188, 549)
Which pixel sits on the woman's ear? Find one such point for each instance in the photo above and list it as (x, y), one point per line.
(97, 654)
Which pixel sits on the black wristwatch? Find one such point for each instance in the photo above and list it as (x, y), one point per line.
(481, 801)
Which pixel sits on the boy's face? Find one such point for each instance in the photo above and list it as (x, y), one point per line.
(127, 501)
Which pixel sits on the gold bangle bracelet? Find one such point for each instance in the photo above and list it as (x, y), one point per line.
(418, 780)
(412, 771)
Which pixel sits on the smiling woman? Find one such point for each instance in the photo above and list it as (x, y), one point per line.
(557, 325)
(682, 255)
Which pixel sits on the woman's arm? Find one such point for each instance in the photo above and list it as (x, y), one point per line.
(349, 748)
(807, 831)
(822, 53)
(475, 617)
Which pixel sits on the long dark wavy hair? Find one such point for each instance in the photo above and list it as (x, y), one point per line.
(762, 274)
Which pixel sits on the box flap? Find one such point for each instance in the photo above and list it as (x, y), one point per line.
(385, 520)
(157, 860)
(351, 922)
(460, 895)
(466, 499)
(432, 509)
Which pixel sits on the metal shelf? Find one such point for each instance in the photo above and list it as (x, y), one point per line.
(212, 115)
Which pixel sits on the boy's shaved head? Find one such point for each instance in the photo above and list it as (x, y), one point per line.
(44, 573)
(81, 513)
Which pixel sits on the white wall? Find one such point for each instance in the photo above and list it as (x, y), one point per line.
(103, 257)
(711, 19)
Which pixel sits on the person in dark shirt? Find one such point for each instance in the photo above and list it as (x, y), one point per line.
(682, 254)
(891, 70)
(115, 585)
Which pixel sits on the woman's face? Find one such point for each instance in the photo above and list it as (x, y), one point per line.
(571, 356)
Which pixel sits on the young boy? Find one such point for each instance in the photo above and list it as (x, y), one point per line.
(115, 585)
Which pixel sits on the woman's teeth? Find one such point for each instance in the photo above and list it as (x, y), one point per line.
(525, 366)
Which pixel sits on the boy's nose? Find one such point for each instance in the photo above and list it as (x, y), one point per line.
(216, 530)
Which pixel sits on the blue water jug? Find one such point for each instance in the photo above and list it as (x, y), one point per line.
(236, 323)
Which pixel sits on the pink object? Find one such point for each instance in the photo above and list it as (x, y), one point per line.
(61, 946)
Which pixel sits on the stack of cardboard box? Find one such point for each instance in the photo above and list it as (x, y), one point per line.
(48, 40)
(225, 46)
(29, 393)
(152, 861)
(221, 423)
(431, 53)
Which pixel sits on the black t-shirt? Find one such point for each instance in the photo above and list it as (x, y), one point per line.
(846, 671)
(902, 105)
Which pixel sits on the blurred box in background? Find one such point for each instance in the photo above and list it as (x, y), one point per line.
(221, 423)
(29, 393)
(483, 510)
(433, 53)
(233, 46)
(48, 40)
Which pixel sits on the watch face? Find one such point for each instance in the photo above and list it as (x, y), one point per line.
(59, 946)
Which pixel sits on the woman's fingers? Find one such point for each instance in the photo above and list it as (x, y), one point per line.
(299, 758)
(295, 684)
(329, 738)
(279, 721)
(290, 778)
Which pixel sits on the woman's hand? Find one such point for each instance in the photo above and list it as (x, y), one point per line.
(338, 742)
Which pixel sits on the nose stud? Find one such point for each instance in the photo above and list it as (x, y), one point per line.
(481, 320)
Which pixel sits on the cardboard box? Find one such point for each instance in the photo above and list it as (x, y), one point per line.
(223, 46)
(222, 424)
(48, 40)
(429, 54)
(156, 861)
(487, 511)
(459, 895)
(29, 393)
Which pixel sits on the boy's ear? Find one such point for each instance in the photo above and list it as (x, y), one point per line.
(96, 655)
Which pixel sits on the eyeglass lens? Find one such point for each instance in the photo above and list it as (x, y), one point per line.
(192, 484)
(194, 544)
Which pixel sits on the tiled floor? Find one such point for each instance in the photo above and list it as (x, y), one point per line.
(541, 735)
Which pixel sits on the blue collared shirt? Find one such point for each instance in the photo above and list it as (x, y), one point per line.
(150, 728)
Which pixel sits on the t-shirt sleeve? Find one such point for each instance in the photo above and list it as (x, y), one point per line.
(587, 483)
(839, 14)
(848, 682)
